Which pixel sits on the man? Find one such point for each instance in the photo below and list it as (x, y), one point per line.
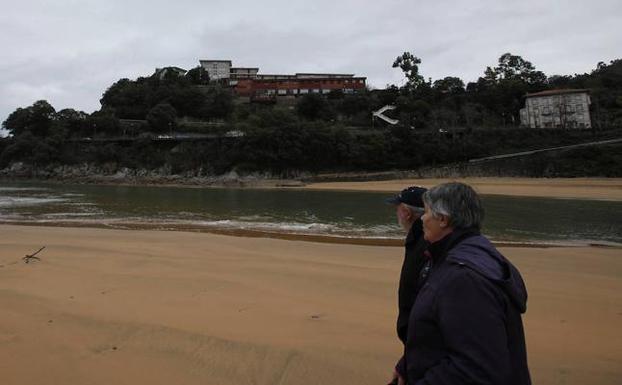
(409, 208)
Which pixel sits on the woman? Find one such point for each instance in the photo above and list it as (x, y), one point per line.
(465, 326)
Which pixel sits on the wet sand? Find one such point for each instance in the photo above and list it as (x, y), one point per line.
(152, 307)
(572, 188)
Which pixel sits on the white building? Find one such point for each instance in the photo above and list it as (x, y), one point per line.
(557, 109)
(217, 69)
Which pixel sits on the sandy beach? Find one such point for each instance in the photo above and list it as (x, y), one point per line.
(572, 188)
(149, 307)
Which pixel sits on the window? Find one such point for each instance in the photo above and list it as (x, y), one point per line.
(282, 92)
(304, 91)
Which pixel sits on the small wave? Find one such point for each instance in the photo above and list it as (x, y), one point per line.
(69, 215)
(185, 214)
(235, 224)
(80, 204)
(11, 189)
(255, 218)
(25, 202)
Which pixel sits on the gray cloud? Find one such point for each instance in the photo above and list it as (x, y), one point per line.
(69, 51)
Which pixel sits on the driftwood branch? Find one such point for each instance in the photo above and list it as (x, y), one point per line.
(32, 256)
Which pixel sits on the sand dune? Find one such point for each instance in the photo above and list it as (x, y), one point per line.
(148, 307)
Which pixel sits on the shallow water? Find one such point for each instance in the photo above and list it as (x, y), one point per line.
(349, 214)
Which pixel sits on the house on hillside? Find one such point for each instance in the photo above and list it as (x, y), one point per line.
(247, 83)
(568, 108)
(162, 72)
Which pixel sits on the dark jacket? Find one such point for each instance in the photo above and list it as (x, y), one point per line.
(414, 246)
(465, 326)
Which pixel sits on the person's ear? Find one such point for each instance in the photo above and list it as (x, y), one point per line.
(444, 221)
(409, 215)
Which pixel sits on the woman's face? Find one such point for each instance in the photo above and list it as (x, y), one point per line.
(434, 228)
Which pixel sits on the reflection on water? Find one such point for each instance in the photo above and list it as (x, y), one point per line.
(357, 214)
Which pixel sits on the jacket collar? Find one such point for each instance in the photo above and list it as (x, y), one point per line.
(438, 250)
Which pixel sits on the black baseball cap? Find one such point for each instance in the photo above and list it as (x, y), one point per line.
(412, 196)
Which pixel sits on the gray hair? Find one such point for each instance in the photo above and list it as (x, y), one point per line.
(457, 201)
(414, 209)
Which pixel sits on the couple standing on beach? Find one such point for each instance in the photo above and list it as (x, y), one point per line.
(460, 301)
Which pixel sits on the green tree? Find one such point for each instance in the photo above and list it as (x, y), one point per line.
(17, 122)
(221, 102)
(128, 99)
(36, 119)
(188, 101)
(409, 64)
(161, 118)
(311, 106)
(501, 90)
(449, 85)
(73, 122)
(103, 122)
(351, 105)
(198, 76)
(514, 67)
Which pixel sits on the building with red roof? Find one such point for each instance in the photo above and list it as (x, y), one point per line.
(247, 83)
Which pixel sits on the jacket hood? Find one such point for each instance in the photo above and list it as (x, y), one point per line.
(479, 254)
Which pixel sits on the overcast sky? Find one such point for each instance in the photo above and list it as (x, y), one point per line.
(69, 51)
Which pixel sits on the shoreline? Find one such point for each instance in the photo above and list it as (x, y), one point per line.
(603, 189)
(298, 237)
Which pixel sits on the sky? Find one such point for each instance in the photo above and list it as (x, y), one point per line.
(69, 51)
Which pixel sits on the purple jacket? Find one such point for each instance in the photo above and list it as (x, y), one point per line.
(465, 326)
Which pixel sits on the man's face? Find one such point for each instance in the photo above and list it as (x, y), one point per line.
(405, 217)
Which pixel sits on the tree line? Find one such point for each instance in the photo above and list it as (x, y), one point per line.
(441, 121)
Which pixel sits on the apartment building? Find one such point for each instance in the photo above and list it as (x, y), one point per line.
(569, 108)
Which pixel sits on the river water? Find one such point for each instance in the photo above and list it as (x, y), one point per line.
(328, 213)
